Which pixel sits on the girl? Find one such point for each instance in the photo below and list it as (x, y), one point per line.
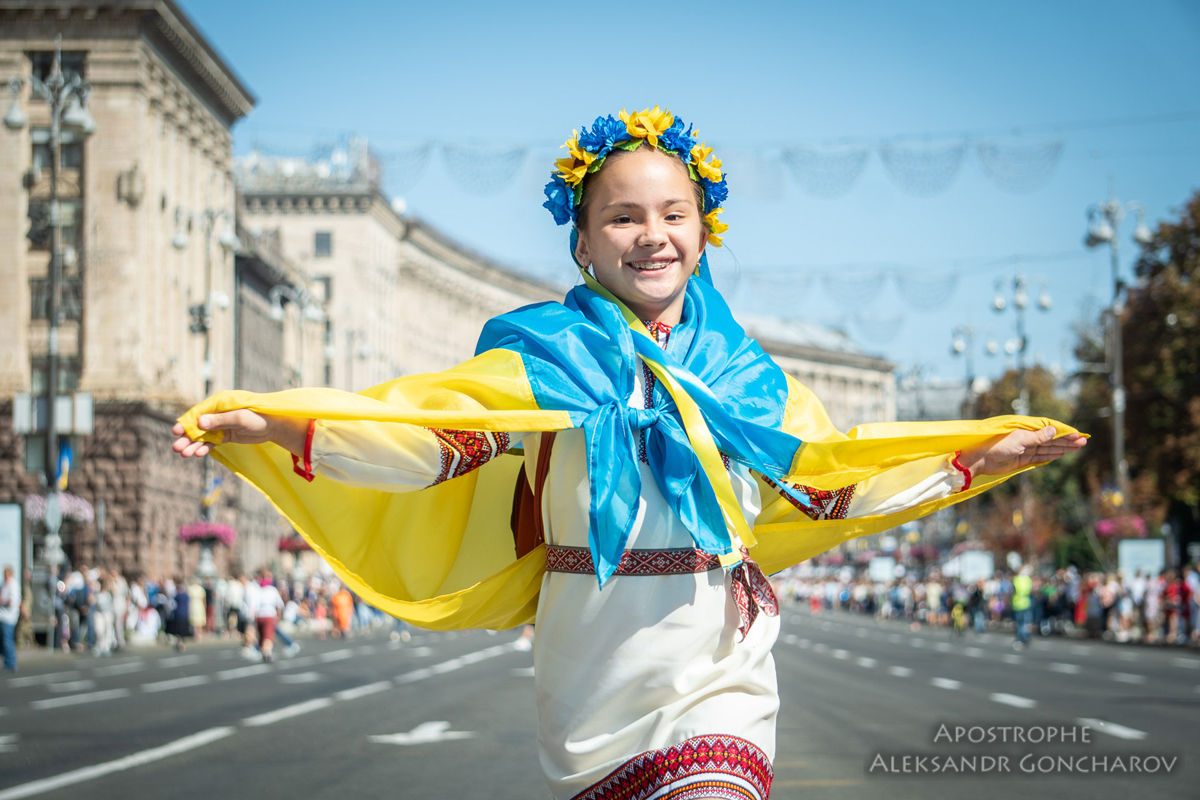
(681, 449)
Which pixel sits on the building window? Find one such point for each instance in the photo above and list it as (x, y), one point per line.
(71, 152)
(323, 244)
(70, 300)
(68, 374)
(39, 222)
(42, 61)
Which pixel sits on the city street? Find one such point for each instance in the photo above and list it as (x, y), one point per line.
(451, 715)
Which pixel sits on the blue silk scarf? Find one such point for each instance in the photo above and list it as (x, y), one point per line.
(581, 356)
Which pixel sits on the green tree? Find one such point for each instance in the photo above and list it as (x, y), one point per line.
(1160, 327)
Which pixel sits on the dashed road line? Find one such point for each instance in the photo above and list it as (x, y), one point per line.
(287, 712)
(242, 672)
(1112, 729)
(841, 654)
(363, 691)
(119, 669)
(1011, 658)
(335, 655)
(1016, 701)
(179, 661)
(36, 680)
(118, 765)
(1065, 669)
(1128, 677)
(79, 699)
(176, 683)
(900, 672)
(1186, 663)
(945, 683)
(72, 686)
(866, 662)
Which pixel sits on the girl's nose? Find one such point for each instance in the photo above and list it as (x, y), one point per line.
(652, 234)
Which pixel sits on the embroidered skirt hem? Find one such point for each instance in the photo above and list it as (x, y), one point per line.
(725, 767)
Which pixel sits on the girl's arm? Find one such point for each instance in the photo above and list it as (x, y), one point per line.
(379, 455)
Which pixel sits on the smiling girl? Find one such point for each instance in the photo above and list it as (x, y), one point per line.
(647, 455)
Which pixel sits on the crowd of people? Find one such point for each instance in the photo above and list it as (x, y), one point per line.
(101, 611)
(1151, 609)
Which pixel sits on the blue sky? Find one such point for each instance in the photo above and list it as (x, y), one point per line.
(1111, 84)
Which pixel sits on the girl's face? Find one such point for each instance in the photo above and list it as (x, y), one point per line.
(642, 232)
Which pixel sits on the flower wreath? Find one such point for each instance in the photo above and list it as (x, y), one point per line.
(588, 148)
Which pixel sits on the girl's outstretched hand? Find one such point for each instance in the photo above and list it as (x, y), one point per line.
(243, 426)
(1020, 449)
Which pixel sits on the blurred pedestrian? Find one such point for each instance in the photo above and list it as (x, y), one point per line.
(10, 615)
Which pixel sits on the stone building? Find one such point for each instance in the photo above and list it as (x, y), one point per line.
(146, 200)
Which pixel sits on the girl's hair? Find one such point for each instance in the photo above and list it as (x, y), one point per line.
(581, 209)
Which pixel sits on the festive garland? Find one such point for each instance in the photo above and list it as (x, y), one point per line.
(588, 148)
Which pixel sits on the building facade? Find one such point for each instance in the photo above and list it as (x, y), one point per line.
(145, 201)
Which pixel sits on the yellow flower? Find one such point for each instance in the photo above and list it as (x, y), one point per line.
(715, 227)
(575, 166)
(648, 124)
(709, 170)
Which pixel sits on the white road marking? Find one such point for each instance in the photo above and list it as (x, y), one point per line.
(176, 683)
(1127, 656)
(34, 680)
(302, 661)
(365, 650)
(1010, 658)
(916, 642)
(119, 669)
(287, 712)
(945, 683)
(179, 661)
(363, 691)
(900, 672)
(821, 647)
(804, 642)
(523, 672)
(72, 686)
(335, 655)
(453, 664)
(301, 677)
(1186, 663)
(424, 733)
(893, 637)
(842, 654)
(866, 662)
(421, 651)
(8, 743)
(1128, 677)
(79, 699)
(973, 652)
(243, 672)
(118, 765)
(790, 638)
(1066, 669)
(1016, 701)
(1112, 728)
(943, 647)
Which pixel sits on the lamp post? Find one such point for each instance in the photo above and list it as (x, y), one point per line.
(66, 99)
(201, 323)
(1019, 302)
(962, 343)
(1102, 229)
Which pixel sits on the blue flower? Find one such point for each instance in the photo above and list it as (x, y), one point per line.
(605, 133)
(714, 193)
(677, 140)
(560, 200)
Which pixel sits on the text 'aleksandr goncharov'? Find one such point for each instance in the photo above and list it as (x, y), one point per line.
(1039, 763)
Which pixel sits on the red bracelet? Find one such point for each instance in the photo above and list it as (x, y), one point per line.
(966, 472)
(306, 471)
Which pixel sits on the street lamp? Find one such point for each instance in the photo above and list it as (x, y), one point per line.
(66, 99)
(1019, 302)
(963, 344)
(1103, 221)
(201, 314)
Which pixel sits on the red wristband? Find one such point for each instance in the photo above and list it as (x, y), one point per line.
(306, 471)
(966, 472)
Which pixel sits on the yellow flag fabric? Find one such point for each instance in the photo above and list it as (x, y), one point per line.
(443, 558)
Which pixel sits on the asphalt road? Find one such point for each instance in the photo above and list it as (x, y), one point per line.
(451, 716)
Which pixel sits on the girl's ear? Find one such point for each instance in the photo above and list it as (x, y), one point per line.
(581, 252)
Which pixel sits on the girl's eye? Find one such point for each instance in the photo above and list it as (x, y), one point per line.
(622, 220)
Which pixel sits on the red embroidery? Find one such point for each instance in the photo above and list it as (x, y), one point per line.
(751, 590)
(823, 504)
(726, 767)
(463, 451)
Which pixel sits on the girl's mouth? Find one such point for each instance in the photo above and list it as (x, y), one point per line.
(653, 265)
